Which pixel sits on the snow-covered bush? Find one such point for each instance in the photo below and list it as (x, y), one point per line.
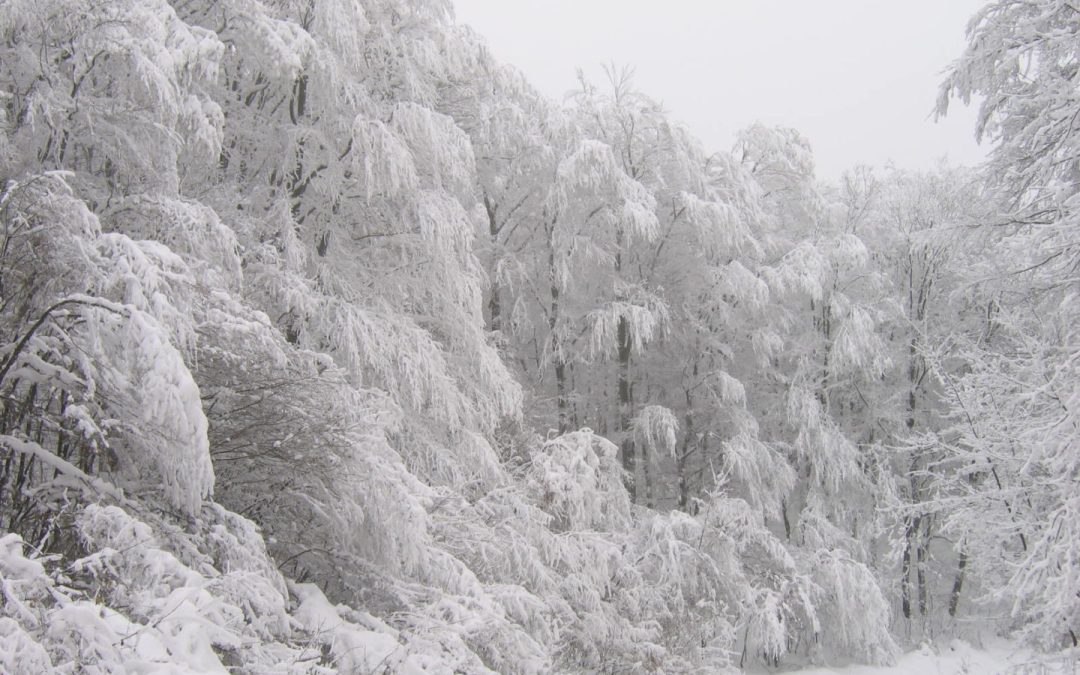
(139, 607)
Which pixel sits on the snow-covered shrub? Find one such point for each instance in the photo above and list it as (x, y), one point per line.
(853, 614)
(139, 607)
(578, 480)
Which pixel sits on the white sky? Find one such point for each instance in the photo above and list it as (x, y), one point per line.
(858, 78)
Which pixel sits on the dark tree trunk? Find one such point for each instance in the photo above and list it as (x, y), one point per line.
(958, 583)
(495, 302)
(561, 394)
(625, 393)
(787, 522)
(905, 567)
(921, 560)
(684, 455)
(560, 365)
(495, 308)
(826, 331)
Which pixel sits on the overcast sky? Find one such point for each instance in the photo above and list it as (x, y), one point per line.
(857, 77)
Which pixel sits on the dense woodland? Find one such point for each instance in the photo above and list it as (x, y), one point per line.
(327, 344)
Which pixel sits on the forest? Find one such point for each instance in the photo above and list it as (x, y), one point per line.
(329, 345)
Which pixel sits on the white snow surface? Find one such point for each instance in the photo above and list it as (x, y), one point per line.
(958, 657)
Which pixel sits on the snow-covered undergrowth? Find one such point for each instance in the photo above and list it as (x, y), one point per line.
(213, 602)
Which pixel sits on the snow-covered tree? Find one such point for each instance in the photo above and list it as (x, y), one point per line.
(1013, 440)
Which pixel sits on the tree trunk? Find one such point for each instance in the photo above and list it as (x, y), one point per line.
(921, 560)
(913, 383)
(625, 393)
(495, 302)
(557, 360)
(905, 567)
(787, 522)
(680, 461)
(561, 397)
(495, 308)
(826, 331)
(684, 483)
(958, 583)
(560, 393)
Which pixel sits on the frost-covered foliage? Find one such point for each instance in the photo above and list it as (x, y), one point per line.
(305, 308)
(151, 597)
(1012, 443)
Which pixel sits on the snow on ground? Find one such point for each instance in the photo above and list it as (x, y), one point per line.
(960, 658)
